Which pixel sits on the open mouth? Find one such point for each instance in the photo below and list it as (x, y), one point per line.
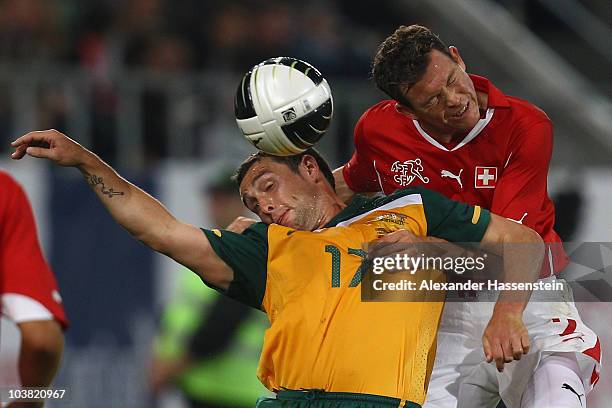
(459, 114)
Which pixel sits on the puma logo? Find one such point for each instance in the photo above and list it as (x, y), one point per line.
(446, 173)
(566, 386)
(519, 221)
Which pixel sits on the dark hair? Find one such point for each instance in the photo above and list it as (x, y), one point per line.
(293, 162)
(401, 60)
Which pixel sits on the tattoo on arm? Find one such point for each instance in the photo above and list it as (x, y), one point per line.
(94, 181)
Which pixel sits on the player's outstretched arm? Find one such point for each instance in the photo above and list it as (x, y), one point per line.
(506, 338)
(142, 215)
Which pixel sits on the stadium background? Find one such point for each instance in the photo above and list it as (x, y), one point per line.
(149, 85)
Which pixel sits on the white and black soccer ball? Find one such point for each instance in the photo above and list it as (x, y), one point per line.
(283, 106)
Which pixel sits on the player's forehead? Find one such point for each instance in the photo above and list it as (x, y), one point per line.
(263, 167)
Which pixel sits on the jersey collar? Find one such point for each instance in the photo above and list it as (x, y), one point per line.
(496, 98)
(358, 203)
(482, 123)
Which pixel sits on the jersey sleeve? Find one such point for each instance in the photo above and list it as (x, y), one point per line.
(358, 172)
(452, 220)
(247, 255)
(23, 269)
(521, 193)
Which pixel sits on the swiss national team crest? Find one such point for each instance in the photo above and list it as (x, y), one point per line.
(485, 177)
(407, 171)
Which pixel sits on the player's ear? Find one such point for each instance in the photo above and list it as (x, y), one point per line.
(309, 166)
(455, 56)
(406, 110)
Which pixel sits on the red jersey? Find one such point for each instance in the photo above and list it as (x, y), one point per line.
(501, 165)
(23, 269)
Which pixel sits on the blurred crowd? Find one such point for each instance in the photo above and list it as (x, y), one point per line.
(167, 35)
(106, 38)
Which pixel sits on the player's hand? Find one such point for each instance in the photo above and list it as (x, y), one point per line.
(505, 339)
(49, 144)
(240, 224)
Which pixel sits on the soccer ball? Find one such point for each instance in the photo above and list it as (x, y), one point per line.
(283, 106)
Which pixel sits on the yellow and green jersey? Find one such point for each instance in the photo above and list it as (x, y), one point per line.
(322, 336)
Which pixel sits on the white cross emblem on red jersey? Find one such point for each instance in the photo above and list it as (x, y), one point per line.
(485, 177)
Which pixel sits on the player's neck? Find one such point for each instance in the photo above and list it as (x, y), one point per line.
(483, 100)
(330, 211)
